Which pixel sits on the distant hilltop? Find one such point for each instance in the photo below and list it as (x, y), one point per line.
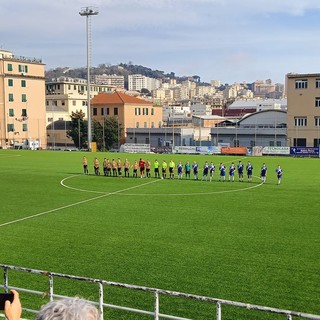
(122, 69)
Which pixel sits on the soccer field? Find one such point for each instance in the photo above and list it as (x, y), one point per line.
(249, 242)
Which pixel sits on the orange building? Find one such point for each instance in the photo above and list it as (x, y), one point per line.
(22, 101)
(132, 112)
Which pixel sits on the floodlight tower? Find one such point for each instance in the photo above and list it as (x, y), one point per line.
(88, 12)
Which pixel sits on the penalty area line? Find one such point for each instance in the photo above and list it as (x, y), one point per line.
(73, 204)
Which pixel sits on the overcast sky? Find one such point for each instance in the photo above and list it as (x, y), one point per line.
(227, 40)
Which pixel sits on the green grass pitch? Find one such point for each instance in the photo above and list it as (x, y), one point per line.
(247, 242)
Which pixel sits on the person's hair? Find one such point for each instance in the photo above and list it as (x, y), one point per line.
(68, 309)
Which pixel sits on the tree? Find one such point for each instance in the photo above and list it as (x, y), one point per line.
(112, 132)
(79, 130)
(97, 134)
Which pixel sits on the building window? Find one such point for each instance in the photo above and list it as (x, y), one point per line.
(10, 82)
(145, 124)
(236, 143)
(74, 102)
(317, 121)
(23, 112)
(145, 111)
(24, 127)
(317, 102)
(23, 68)
(50, 119)
(10, 127)
(271, 143)
(23, 83)
(302, 84)
(102, 111)
(137, 124)
(84, 103)
(107, 111)
(317, 83)
(10, 67)
(159, 124)
(147, 140)
(300, 142)
(11, 97)
(278, 143)
(300, 122)
(11, 112)
(152, 111)
(137, 111)
(152, 124)
(23, 98)
(316, 143)
(95, 111)
(115, 111)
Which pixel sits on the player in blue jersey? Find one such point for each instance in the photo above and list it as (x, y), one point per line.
(180, 169)
(232, 170)
(240, 171)
(205, 171)
(263, 174)
(249, 171)
(279, 173)
(222, 169)
(211, 170)
(195, 168)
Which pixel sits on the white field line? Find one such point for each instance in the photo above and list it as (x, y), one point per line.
(4, 156)
(74, 204)
(168, 194)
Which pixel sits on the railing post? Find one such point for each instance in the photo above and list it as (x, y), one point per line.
(5, 279)
(101, 300)
(156, 305)
(50, 286)
(218, 313)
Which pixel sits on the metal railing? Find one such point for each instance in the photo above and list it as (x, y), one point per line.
(156, 296)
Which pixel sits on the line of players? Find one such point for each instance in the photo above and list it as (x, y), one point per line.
(114, 168)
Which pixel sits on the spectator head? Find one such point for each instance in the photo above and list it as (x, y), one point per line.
(68, 309)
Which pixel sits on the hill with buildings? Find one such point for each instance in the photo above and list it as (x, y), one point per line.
(122, 69)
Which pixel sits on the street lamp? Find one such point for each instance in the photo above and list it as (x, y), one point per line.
(88, 12)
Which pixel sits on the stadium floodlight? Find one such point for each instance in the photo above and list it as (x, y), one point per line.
(88, 12)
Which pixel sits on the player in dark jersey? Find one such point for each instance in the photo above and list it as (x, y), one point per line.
(205, 171)
(195, 170)
(249, 171)
(211, 170)
(263, 174)
(222, 169)
(240, 171)
(187, 169)
(232, 170)
(180, 170)
(279, 173)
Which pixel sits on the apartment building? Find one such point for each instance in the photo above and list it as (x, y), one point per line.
(66, 95)
(109, 80)
(303, 105)
(22, 101)
(132, 112)
(136, 82)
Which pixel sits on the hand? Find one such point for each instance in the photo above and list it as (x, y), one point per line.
(13, 310)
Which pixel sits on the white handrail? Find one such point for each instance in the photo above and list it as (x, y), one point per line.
(157, 292)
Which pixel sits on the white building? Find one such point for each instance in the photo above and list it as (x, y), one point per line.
(136, 82)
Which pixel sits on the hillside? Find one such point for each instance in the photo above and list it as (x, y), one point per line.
(123, 69)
